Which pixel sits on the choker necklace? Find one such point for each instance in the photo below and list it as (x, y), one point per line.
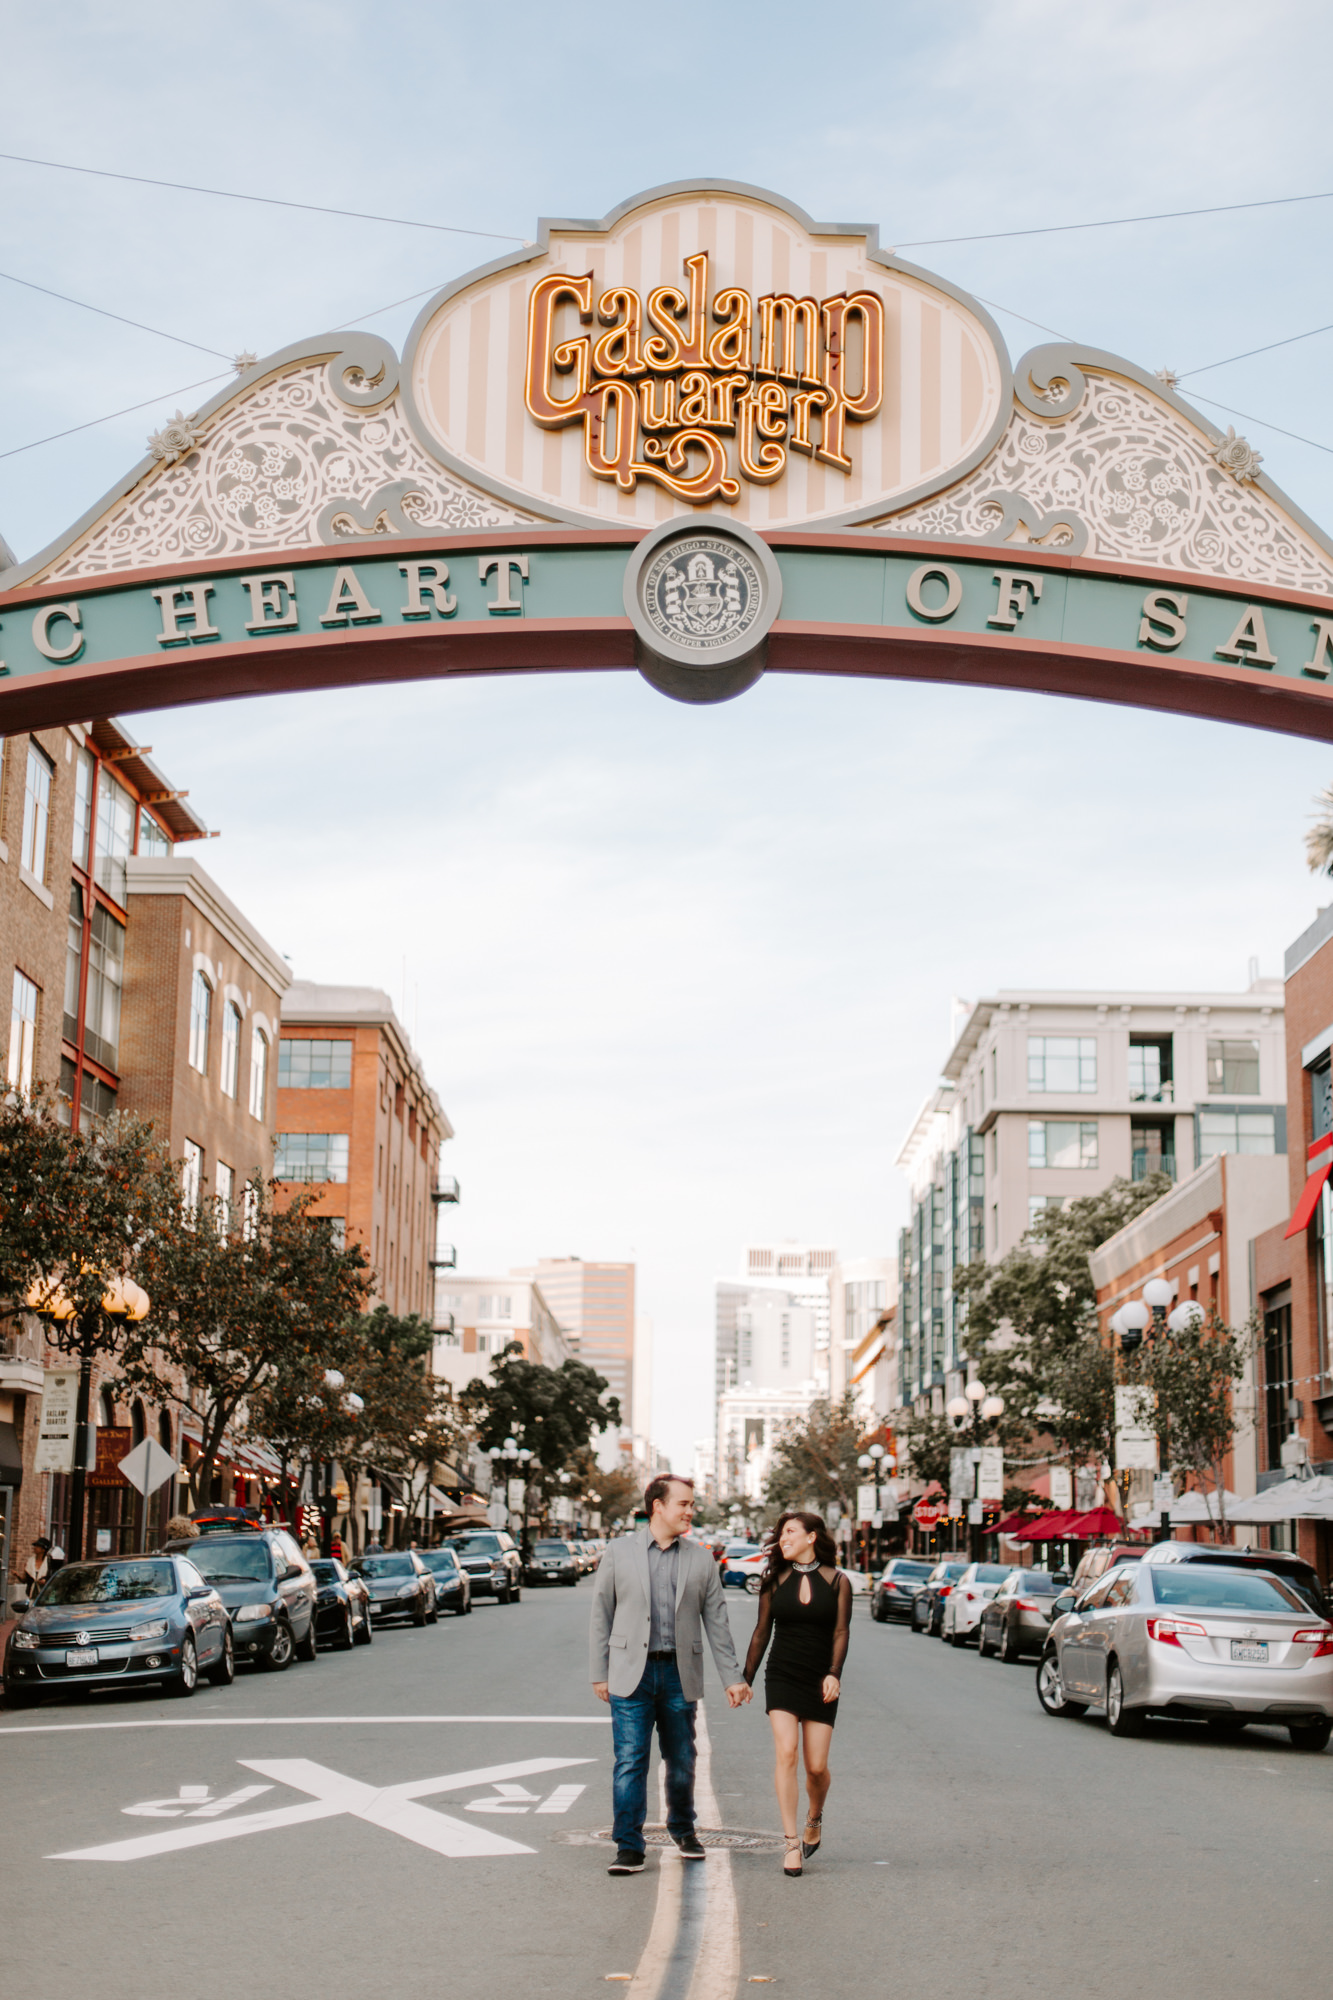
(804, 1569)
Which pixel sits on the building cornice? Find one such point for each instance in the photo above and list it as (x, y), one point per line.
(181, 875)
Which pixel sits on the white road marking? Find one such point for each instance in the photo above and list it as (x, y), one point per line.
(715, 1970)
(332, 1795)
(562, 1798)
(194, 1802)
(287, 1721)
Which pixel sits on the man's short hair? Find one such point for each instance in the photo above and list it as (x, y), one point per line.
(657, 1489)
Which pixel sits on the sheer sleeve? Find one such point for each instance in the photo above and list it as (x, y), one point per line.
(760, 1637)
(842, 1631)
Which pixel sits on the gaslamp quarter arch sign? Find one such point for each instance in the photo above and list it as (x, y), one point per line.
(707, 438)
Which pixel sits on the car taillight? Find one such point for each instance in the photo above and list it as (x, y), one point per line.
(1167, 1631)
(1318, 1636)
(971, 1596)
(945, 1589)
(1026, 1604)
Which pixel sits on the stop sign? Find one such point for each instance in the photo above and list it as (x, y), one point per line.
(927, 1512)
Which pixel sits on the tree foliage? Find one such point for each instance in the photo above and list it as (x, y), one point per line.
(1194, 1375)
(553, 1412)
(814, 1457)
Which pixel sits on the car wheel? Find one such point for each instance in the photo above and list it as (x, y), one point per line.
(367, 1631)
(467, 1605)
(433, 1615)
(983, 1650)
(308, 1648)
(1225, 1725)
(223, 1672)
(282, 1652)
(876, 1613)
(418, 1613)
(187, 1679)
(515, 1594)
(1310, 1735)
(1008, 1652)
(1051, 1689)
(1123, 1721)
(347, 1637)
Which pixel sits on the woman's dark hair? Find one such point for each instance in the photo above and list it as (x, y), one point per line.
(826, 1549)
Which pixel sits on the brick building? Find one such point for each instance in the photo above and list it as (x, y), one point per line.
(357, 1118)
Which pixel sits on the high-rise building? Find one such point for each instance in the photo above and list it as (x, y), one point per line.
(862, 1294)
(477, 1318)
(357, 1118)
(594, 1303)
(771, 1347)
(1047, 1096)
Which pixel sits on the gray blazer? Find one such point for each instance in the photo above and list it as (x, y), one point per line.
(621, 1617)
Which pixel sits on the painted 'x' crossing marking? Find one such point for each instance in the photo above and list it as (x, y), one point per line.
(331, 1795)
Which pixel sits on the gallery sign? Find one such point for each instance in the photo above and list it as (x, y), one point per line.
(705, 437)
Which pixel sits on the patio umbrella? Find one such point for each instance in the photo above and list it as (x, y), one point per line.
(1047, 1527)
(1101, 1521)
(1291, 1500)
(1194, 1510)
(1011, 1522)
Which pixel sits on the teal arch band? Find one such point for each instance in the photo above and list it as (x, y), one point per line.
(845, 610)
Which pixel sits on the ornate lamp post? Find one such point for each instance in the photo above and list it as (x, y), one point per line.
(81, 1335)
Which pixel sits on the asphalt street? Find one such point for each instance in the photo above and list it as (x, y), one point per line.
(421, 1816)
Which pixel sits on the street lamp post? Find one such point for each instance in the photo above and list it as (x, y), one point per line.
(122, 1301)
(977, 1406)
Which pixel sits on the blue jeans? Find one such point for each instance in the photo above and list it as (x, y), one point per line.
(656, 1700)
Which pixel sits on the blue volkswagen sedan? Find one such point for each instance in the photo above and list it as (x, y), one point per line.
(116, 1623)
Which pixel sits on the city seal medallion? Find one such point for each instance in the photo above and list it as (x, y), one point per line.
(701, 596)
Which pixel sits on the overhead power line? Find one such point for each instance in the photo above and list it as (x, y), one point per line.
(93, 422)
(84, 306)
(1108, 222)
(1250, 352)
(266, 200)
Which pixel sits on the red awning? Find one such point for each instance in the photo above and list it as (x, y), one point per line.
(1101, 1521)
(1305, 1207)
(1048, 1527)
(1010, 1522)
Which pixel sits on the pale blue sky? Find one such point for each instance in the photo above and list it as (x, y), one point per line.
(683, 976)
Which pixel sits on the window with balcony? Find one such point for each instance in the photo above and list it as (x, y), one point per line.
(311, 1156)
(1233, 1069)
(36, 812)
(1152, 1150)
(1236, 1131)
(1063, 1063)
(1150, 1069)
(258, 1073)
(106, 973)
(311, 1065)
(201, 1008)
(25, 1009)
(1062, 1142)
(231, 1048)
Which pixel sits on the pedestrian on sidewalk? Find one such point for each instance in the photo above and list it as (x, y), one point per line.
(37, 1569)
(805, 1597)
(655, 1593)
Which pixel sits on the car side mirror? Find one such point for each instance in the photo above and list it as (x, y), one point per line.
(1064, 1602)
(20, 1605)
(199, 1590)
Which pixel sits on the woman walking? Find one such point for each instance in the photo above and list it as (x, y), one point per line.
(809, 1603)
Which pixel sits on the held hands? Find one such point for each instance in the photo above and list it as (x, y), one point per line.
(831, 1688)
(739, 1693)
(602, 1690)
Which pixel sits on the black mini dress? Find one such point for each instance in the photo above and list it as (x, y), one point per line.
(811, 1641)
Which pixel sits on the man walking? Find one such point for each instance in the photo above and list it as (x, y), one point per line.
(654, 1592)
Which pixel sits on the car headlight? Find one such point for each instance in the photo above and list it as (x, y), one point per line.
(156, 1628)
(250, 1614)
(406, 1590)
(25, 1642)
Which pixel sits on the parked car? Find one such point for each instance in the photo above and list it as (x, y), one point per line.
(893, 1595)
(342, 1605)
(453, 1590)
(968, 1599)
(552, 1562)
(492, 1563)
(733, 1576)
(1096, 1562)
(399, 1584)
(1019, 1615)
(1228, 1643)
(118, 1623)
(1303, 1576)
(749, 1570)
(928, 1604)
(265, 1583)
(860, 1579)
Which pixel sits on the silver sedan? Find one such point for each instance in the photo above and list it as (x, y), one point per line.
(1227, 1646)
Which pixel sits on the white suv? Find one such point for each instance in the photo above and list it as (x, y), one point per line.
(972, 1592)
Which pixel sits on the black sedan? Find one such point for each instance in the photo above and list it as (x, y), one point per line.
(895, 1592)
(117, 1623)
(342, 1605)
(928, 1604)
(399, 1584)
(453, 1588)
(552, 1562)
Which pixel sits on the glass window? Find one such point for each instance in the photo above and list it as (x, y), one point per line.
(65, 1091)
(83, 805)
(1066, 1063)
(1321, 1099)
(224, 1183)
(219, 1559)
(311, 1156)
(23, 1032)
(36, 812)
(192, 1173)
(258, 1073)
(1278, 1386)
(106, 973)
(97, 1101)
(1059, 1142)
(1233, 1069)
(73, 963)
(109, 1583)
(309, 1065)
(1210, 1589)
(231, 1048)
(382, 1566)
(115, 834)
(1236, 1132)
(1152, 1150)
(152, 840)
(1150, 1079)
(201, 1003)
(1040, 1204)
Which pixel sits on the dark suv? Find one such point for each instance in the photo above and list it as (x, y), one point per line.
(554, 1562)
(266, 1584)
(491, 1562)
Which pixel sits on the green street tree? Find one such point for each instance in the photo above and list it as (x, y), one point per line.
(925, 1441)
(814, 1457)
(1194, 1374)
(553, 1412)
(410, 1423)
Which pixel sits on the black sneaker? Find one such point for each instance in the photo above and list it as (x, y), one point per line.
(689, 1845)
(628, 1861)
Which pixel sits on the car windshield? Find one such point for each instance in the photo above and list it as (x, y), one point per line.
(325, 1572)
(1038, 1583)
(439, 1559)
(551, 1548)
(901, 1569)
(109, 1583)
(480, 1545)
(383, 1566)
(222, 1560)
(948, 1571)
(1209, 1589)
(992, 1572)
(742, 1548)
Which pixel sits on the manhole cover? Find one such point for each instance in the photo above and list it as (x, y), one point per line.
(747, 1838)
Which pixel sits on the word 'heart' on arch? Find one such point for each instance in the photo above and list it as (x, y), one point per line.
(705, 437)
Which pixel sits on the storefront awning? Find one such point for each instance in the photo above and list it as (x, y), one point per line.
(1100, 1521)
(1320, 1162)
(1048, 1527)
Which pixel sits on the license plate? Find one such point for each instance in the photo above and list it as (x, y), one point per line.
(1250, 1653)
(81, 1656)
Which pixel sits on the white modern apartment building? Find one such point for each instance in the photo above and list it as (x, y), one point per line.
(749, 1422)
(476, 1318)
(772, 1323)
(862, 1294)
(1046, 1096)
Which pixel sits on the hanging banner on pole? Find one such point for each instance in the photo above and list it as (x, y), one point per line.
(55, 1436)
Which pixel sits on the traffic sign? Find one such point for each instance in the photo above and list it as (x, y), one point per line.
(148, 1466)
(927, 1513)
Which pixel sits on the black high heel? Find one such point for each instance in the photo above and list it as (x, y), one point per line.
(793, 1847)
(809, 1847)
